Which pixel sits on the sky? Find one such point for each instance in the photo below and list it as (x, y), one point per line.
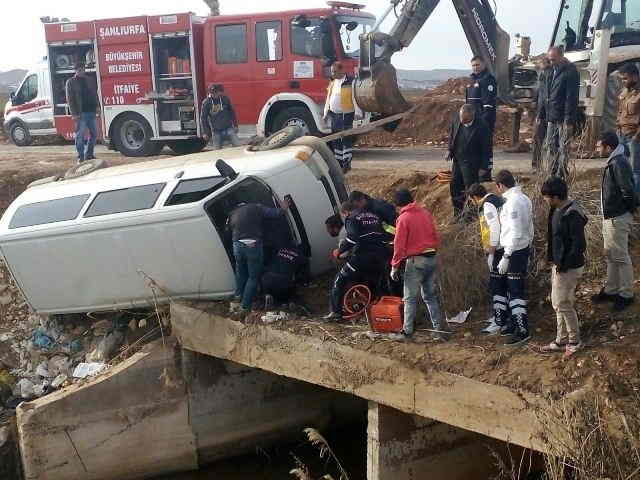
(440, 44)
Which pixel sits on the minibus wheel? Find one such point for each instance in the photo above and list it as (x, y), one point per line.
(85, 168)
(280, 139)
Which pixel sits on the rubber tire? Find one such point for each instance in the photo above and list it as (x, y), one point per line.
(186, 147)
(149, 147)
(43, 181)
(85, 168)
(279, 139)
(281, 119)
(28, 139)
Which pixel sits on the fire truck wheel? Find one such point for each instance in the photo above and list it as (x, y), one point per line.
(20, 135)
(185, 147)
(84, 168)
(132, 136)
(295, 116)
(280, 139)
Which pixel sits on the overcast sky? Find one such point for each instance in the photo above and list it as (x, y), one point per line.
(440, 44)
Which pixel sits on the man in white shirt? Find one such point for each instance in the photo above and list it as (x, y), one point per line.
(340, 109)
(516, 236)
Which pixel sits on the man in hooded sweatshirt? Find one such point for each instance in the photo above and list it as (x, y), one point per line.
(566, 245)
(415, 246)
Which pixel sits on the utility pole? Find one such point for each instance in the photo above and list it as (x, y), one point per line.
(214, 7)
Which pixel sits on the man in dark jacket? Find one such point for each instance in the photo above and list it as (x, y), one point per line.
(218, 118)
(482, 94)
(628, 119)
(247, 233)
(470, 149)
(382, 208)
(619, 202)
(561, 109)
(540, 126)
(566, 245)
(366, 249)
(83, 102)
(288, 268)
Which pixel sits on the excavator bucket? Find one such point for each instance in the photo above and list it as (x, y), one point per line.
(377, 91)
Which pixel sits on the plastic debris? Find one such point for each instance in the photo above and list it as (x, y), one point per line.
(58, 365)
(42, 370)
(272, 317)
(24, 389)
(41, 339)
(460, 317)
(59, 380)
(105, 348)
(84, 370)
(41, 389)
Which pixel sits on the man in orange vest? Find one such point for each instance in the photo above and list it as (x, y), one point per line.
(340, 109)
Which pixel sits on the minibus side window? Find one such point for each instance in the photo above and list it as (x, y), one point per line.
(194, 190)
(51, 211)
(125, 200)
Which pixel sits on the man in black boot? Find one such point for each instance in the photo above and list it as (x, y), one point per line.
(516, 235)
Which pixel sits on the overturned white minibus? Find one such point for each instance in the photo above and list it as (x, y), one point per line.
(92, 243)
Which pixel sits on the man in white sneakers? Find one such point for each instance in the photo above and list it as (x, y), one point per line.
(489, 206)
(516, 235)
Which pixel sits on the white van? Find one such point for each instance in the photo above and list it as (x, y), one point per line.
(29, 112)
(92, 243)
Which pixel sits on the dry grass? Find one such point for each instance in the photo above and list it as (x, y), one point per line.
(302, 472)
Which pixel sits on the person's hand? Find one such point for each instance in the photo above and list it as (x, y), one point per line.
(236, 129)
(503, 265)
(285, 204)
(395, 274)
(491, 250)
(335, 254)
(490, 261)
(206, 137)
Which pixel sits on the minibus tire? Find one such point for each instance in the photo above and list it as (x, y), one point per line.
(148, 146)
(43, 181)
(19, 134)
(279, 139)
(185, 147)
(291, 114)
(85, 168)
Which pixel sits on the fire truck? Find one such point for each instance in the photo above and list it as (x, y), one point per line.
(152, 73)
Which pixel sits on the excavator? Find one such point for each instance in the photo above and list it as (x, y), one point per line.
(376, 88)
(598, 36)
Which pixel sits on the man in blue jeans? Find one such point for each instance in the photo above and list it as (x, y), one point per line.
(82, 98)
(628, 120)
(246, 224)
(415, 245)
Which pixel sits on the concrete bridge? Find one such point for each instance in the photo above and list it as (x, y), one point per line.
(434, 423)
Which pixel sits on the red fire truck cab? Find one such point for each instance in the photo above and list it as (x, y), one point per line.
(152, 72)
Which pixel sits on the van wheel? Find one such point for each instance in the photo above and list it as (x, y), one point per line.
(43, 181)
(132, 136)
(85, 168)
(185, 147)
(296, 116)
(280, 139)
(20, 135)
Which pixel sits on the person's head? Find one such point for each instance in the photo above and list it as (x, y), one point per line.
(79, 69)
(467, 113)
(347, 207)
(477, 192)
(215, 90)
(556, 55)
(555, 191)
(477, 65)
(334, 224)
(629, 75)
(608, 143)
(358, 198)
(504, 181)
(402, 197)
(544, 63)
(337, 70)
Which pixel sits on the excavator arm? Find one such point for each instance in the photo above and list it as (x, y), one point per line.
(376, 88)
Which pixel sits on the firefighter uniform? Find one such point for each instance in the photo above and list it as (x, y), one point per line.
(340, 108)
(366, 240)
(482, 95)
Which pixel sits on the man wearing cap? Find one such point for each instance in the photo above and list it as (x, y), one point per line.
(218, 119)
(82, 99)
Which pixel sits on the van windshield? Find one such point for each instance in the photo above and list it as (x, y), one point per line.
(350, 29)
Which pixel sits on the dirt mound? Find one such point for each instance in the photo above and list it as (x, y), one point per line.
(430, 122)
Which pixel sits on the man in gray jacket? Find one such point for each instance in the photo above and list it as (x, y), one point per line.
(82, 98)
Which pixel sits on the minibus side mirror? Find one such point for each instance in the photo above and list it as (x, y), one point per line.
(226, 170)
